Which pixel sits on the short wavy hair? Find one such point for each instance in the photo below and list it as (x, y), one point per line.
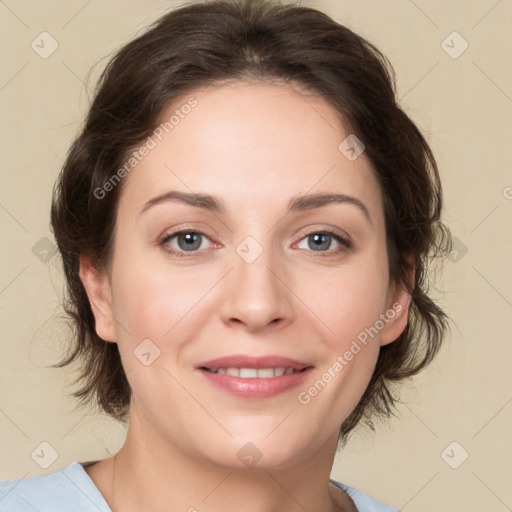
(207, 42)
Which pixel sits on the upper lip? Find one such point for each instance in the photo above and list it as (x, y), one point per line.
(258, 362)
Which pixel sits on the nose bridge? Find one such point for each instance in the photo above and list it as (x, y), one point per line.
(257, 295)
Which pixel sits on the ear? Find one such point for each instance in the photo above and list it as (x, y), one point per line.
(397, 307)
(98, 290)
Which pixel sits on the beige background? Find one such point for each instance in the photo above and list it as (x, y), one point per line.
(463, 105)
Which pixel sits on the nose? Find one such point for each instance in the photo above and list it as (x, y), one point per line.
(257, 295)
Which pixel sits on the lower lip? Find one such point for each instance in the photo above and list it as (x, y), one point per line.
(256, 388)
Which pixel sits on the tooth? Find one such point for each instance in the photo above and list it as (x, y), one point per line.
(250, 373)
(247, 373)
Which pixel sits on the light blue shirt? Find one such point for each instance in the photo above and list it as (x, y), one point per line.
(72, 489)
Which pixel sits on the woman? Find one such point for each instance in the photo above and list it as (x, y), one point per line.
(245, 222)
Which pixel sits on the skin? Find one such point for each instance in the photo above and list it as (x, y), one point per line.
(255, 146)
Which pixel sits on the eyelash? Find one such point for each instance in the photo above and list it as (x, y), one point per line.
(345, 244)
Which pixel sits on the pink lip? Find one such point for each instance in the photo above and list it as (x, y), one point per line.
(255, 388)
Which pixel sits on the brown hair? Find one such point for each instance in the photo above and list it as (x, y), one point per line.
(204, 43)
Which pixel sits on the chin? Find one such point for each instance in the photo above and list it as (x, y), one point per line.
(275, 452)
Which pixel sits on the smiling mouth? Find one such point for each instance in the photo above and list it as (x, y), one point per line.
(253, 373)
(250, 377)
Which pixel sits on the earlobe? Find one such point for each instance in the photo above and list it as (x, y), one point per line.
(98, 290)
(398, 308)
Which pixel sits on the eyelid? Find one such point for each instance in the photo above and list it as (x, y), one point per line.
(344, 242)
(171, 233)
(331, 230)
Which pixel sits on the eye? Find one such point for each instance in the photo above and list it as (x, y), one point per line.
(190, 241)
(187, 241)
(323, 239)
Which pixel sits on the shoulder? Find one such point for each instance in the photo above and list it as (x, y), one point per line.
(364, 502)
(61, 491)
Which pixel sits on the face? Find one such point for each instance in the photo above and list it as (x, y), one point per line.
(297, 298)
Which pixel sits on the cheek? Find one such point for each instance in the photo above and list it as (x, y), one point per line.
(348, 300)
(152, 302)
(156, 300)
(162, 306)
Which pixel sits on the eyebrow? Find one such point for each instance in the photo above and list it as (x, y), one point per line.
(297, 203)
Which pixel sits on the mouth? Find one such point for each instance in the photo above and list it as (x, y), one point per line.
(252, 377)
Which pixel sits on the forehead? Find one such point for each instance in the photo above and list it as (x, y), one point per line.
(253, 144)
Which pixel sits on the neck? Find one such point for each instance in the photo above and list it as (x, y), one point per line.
(150, 474)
